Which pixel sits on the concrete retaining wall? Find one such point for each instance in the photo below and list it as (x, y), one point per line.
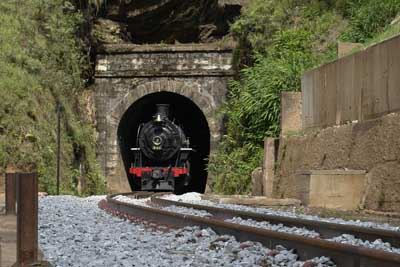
(373, 146)
(360, 87)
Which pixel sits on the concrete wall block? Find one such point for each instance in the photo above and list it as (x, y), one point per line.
(302, 188)
(270, 156)
(257, 182)
(291, 109)
(334, 189)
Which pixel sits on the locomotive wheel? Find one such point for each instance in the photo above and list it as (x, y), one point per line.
(182, 183)
(180, 187)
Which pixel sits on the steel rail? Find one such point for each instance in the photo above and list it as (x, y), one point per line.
(325, 229)
(306, 248)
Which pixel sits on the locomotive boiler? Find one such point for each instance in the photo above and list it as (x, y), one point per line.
(161, 155)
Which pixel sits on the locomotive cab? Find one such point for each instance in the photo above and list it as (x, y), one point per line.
(161, 155)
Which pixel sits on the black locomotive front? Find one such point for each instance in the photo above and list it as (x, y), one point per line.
(161, 155)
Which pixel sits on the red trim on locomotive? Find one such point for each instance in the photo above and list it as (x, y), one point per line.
(176, 171)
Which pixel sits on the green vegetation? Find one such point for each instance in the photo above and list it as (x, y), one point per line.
(279, 40)
(42, 64)
(369, 18)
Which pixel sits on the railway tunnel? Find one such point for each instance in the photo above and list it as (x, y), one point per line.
(185, 113)
(161, 52)
(131, 79)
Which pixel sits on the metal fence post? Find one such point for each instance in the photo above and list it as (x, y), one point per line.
(11, 186)
(27, 219)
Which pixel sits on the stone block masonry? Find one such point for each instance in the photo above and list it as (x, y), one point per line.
(125, 73)
(164, 61)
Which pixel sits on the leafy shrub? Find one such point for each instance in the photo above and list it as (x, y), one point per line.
(233, 165)
(254, 107)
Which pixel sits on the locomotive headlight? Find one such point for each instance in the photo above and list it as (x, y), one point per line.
(157, 140)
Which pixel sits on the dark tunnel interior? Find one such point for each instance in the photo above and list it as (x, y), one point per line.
(184, 113)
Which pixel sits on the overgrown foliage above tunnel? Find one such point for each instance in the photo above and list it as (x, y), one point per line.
(279, 40)
(166, 21)
(42, 64)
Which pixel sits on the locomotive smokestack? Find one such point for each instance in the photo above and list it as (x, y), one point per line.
(162, 111)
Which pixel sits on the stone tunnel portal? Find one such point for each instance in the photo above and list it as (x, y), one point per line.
(186, 114)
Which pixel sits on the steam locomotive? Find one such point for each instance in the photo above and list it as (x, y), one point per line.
(161, 155)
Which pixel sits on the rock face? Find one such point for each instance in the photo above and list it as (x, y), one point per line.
(170, 21)
(110, 32)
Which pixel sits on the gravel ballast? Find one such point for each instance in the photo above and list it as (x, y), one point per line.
(187, 211)
(195, 198)
(377, 244)
(140, 201)
(275, 227)
(75, 232)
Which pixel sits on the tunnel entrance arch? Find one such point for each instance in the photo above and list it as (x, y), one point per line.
(185, 113)
(127, 73)
(195, 108)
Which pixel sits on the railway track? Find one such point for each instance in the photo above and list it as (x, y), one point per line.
(306, 247)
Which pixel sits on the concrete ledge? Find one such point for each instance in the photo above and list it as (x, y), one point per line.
(251, 200)
(162, 73)
(151, 48)
(333, 172)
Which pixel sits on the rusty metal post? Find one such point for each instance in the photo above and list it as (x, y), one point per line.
(27, 219)
(11, 192)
